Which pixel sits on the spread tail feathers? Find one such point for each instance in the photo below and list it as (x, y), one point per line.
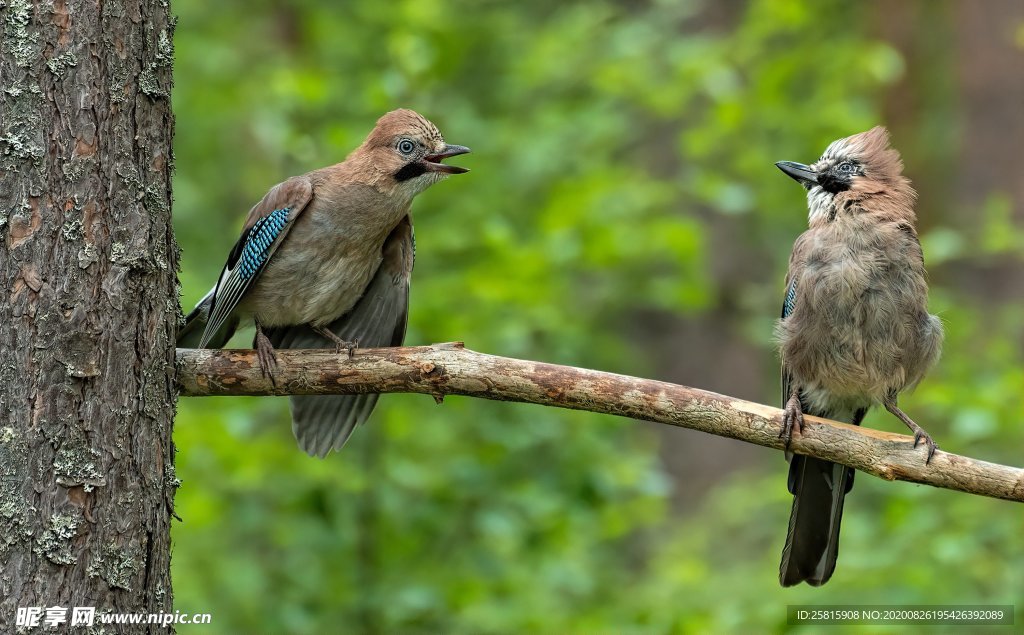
(191, 335)
(322, 423)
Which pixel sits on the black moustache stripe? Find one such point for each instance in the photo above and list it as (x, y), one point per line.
(410, 171)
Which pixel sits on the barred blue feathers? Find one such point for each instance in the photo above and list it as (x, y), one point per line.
(790, 302)
(261, 236)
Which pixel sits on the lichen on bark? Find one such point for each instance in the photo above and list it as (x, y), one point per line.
(89, 260)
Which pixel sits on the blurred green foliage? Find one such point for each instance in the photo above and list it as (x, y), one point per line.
(609, 139)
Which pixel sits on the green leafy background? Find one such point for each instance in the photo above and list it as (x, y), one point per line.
(622, 213)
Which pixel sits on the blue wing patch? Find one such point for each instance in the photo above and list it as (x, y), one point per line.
(787, 309)
(253, 250)
(261, 236)
(790, 302)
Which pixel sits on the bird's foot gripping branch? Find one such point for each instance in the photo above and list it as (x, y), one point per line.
(451, 369)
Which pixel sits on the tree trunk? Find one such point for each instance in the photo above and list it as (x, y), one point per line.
(89, 262)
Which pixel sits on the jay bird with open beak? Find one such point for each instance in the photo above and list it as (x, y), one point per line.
(325, 258)
(855, 329)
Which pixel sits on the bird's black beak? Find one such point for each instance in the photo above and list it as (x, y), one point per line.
(802, 174)
(432, 162)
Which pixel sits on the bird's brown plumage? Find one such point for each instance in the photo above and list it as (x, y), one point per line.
(855, 331)
(861, 328)
(320, 273)
(355, 205)
(375, 163)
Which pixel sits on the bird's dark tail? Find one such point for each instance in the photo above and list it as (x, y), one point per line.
(812, 542)
(321, 423)
(191, 335)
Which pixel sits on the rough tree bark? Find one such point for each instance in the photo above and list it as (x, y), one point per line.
(89, 261)
(450, 369)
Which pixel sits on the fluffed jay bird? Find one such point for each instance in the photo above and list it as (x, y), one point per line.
(855, 329)
(326, 257)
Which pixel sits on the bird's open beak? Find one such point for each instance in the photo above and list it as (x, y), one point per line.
(433, 161)
(803, 174)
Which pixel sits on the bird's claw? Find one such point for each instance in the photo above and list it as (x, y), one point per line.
(920, 434)
(792, 419)
(348, 347)
(267, 358)
(339, 344)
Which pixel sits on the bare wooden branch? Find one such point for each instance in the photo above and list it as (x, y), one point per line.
(451, 369)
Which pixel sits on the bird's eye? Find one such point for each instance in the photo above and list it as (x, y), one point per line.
(406, 147)
(845, 167)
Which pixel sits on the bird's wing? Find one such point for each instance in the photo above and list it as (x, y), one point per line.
(788, 304)
(322, 423)
(266, 227)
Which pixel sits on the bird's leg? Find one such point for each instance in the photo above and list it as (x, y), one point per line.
(265, 353)
(792, 417)
(339, 344)
(919, 433)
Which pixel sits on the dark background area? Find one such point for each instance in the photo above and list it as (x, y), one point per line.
(623, 213)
